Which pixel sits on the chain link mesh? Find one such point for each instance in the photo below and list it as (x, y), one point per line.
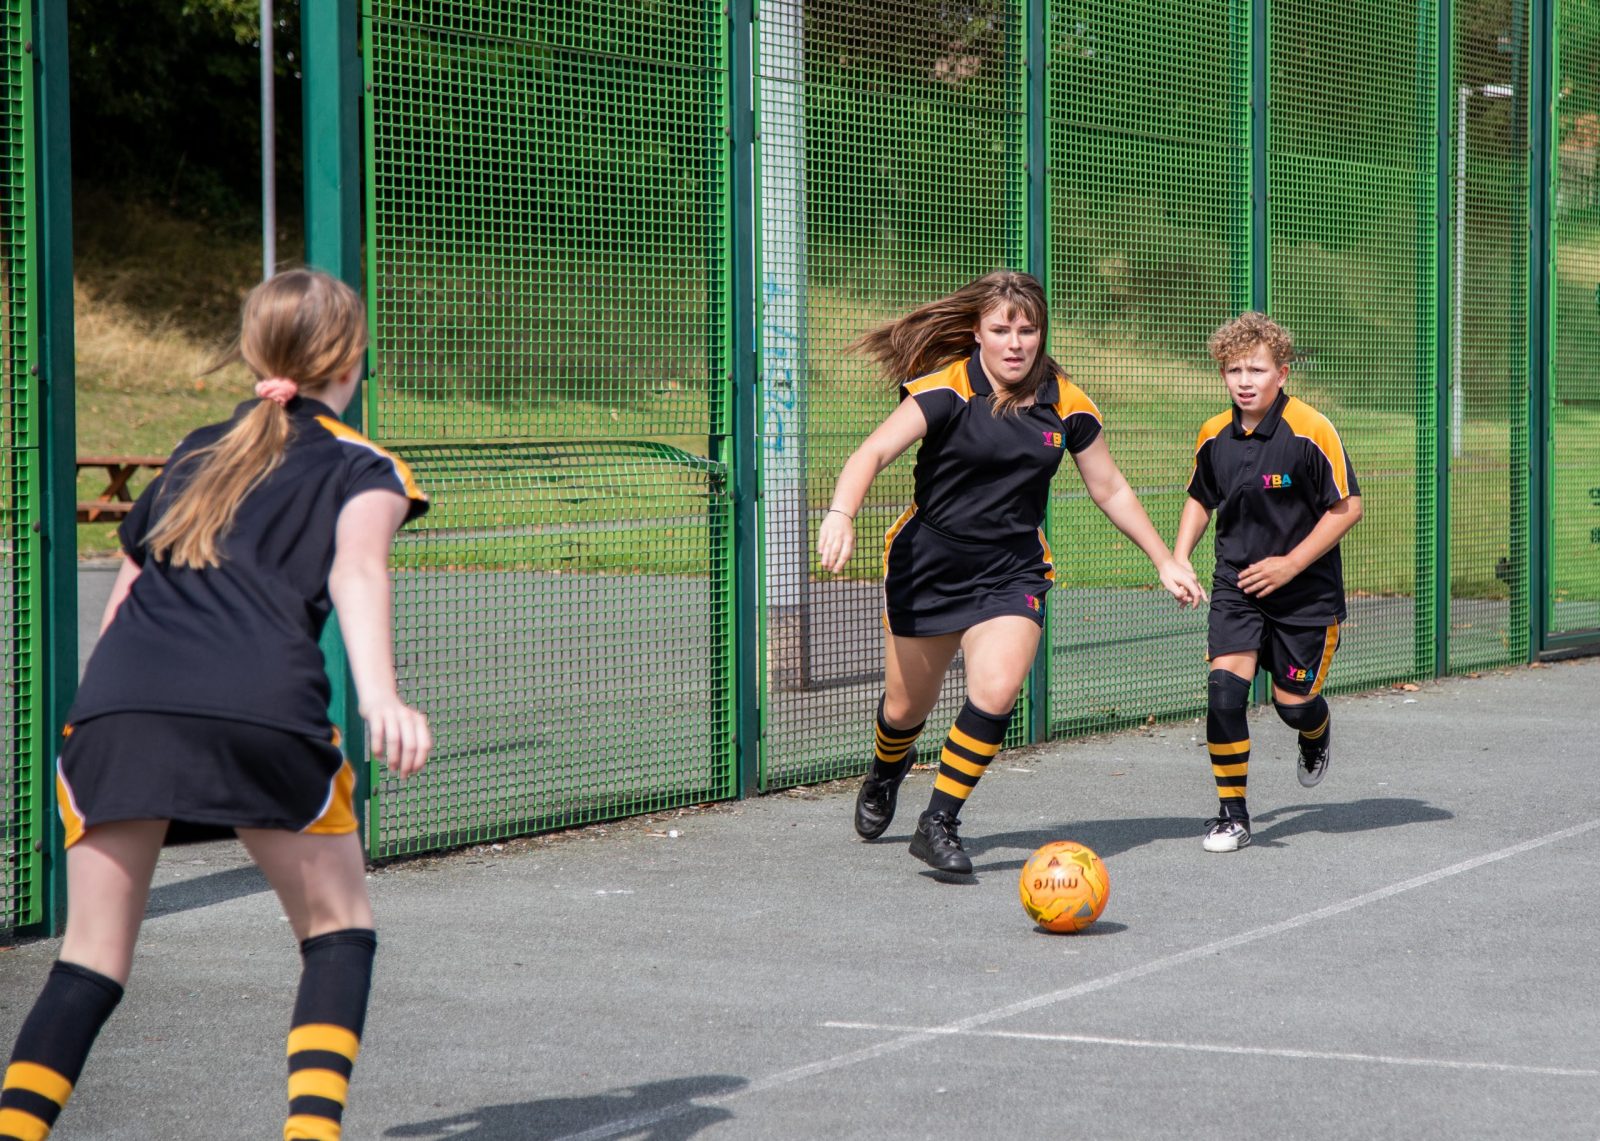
(1575, 339)
(1143, 266)
(21, 770)
(1488, 307)
(891, 140)
(1352, 170)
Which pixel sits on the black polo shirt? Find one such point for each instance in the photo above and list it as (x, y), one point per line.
(982, 476)
(239, 640)
(1269, 488)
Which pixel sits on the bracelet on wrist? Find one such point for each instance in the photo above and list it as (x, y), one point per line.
(839, 511)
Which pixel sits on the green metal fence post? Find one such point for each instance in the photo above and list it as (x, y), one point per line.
(1427, 635)
(1444, 108)
(1541, 104)
(57, 437)
(743, 451)
(1260, 282)
(1037, 237)
(331, 67)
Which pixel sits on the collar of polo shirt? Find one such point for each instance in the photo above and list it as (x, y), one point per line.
(1269, 423)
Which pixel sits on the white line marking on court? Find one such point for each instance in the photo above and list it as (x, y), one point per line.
(971, 1022)
(1210, 1048)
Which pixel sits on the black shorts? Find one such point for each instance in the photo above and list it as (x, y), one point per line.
(935, 584)
(1297, 657)
(201, 770)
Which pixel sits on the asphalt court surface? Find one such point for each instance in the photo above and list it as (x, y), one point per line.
(1407, 951)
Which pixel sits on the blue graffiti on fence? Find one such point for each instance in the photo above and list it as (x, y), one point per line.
(781, 353)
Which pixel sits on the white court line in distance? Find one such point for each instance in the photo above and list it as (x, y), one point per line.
(1216, 1048)
(1052, 998)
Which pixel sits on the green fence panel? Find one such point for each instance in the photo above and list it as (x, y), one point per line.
(23, 775)
(1487, 307)
(548, 267)
(1149, 142)
(563, 620)
(1352, 171)
(891, 171)
(1574, 401)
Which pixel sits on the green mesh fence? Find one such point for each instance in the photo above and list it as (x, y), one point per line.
(546, 220)
(1352, 175)
(549, 218)
(548, 278)
(22, 777)
(1488, 326)
(891, 171)
(563, 620)
(1144, 263)
(1575, 317)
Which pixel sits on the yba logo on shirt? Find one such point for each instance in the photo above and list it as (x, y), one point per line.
(1276, 482)
(1052, 439)
(1299, 674)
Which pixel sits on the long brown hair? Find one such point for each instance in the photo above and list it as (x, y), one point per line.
(932, 335)
(302, 325)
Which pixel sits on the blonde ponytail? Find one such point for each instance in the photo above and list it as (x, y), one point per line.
(301, 324)
(224, 473)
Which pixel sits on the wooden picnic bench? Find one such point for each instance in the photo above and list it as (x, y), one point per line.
(115, 500)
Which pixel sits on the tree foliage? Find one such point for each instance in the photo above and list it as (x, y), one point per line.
(166, 101)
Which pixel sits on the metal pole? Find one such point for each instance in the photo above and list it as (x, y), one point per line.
(739, 451)
(269, 173)
(52, 398)
(1037, 234)
(1457, 400)
(786, 520)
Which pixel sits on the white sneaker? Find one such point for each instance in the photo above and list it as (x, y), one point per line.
(1226, 835)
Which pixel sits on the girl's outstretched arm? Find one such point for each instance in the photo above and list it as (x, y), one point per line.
(836, 537)
(359, 586)
(1110, 491)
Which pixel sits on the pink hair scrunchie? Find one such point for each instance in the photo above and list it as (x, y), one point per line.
(278, 389)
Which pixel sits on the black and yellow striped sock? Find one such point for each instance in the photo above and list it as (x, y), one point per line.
(890, 747)
(1309, 717)
(974, 740)
(1228, 740)
(52, 1047)
(329, 1014)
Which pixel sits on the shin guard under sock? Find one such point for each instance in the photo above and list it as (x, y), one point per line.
(1228, 740)
(52, 1047)
(890, 748)
(329, 1014)
(973, 742)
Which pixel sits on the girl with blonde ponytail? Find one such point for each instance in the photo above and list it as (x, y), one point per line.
(966, 566)
(205, 700)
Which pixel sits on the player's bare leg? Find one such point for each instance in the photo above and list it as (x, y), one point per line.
(998, 653)
(914, 670)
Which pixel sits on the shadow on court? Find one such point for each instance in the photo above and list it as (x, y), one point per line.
(203, 891)
(1113, 837)
(1366, 815)
(562, 1116)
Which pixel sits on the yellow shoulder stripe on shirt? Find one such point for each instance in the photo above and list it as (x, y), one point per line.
(402, 470)
(953, 376)
(1312, 425)
(1074, 400)
(1212, 428)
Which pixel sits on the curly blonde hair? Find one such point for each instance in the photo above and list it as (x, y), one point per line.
(1240, 336)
